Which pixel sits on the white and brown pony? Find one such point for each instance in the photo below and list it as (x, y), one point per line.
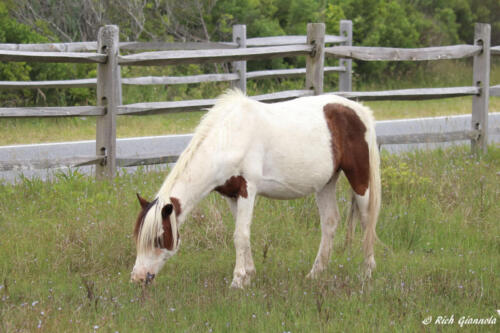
(243, 148)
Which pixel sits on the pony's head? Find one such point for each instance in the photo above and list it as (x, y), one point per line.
(156, 238)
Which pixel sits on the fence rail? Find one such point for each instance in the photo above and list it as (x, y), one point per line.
(109, 81)
(142, 46)
(81, 83)
(71, 57)
(211, 56)
(199, 104)
(164, 80)
(59, 111)
(128, 46)
(51, 47)
(410, 94)
(428, 137)
(289, 40)
(71, 162)
(398, 54)
(495, 91)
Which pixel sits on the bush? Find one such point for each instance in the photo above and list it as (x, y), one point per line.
(13, 32)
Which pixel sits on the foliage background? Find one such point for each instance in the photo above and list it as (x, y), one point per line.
(398, 23)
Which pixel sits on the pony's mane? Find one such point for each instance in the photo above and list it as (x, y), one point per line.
(152, 225)
(207, 124)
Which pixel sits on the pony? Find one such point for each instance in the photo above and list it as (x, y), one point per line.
(243, 148)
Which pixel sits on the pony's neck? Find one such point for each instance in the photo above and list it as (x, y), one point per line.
(193, 183)
(196, 173)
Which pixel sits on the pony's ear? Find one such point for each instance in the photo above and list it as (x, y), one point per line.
(167, 210)
(143, 202)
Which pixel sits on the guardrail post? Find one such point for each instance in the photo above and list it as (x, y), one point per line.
(316, 60)
(240, 67)
(345, 77)
(109, 96)
(481, 79)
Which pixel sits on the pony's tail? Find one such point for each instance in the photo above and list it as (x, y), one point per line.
(374, 201)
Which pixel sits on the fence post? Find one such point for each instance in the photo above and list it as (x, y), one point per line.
(481, 79)
(109, 96)
(345, 78)
(316, 59)
(240, 67)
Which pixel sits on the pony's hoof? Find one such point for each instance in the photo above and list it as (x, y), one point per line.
(369, 266)
(367, 274)
(313, 275)
(241, 281)
(236, 285)
(240, 284)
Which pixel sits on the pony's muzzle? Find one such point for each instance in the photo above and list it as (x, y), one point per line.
(142, 277)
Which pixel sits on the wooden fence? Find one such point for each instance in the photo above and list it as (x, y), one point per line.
(106, 54)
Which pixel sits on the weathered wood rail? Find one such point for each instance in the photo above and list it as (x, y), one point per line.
(162, 80)
(142, 46)
(106, 54)
(395, 54)
(162, 58)
(59, 111)
(74, 57)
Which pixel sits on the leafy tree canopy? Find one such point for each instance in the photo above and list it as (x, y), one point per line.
(396, 23)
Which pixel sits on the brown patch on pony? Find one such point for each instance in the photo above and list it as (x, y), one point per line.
(234, 187)
(349, 147)
(178, 210)
(177, 205)
(168, 239)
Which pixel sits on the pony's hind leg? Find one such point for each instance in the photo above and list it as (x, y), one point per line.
(329, 217)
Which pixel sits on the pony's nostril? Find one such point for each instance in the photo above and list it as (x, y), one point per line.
(149, 277)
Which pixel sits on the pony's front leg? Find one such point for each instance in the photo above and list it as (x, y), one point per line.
(244, 268)
(249, 265)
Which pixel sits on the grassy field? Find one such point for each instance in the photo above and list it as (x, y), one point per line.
(446, 74)
(66, 254)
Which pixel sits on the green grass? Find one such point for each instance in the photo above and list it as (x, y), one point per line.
(446, 73)
(66, 254)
